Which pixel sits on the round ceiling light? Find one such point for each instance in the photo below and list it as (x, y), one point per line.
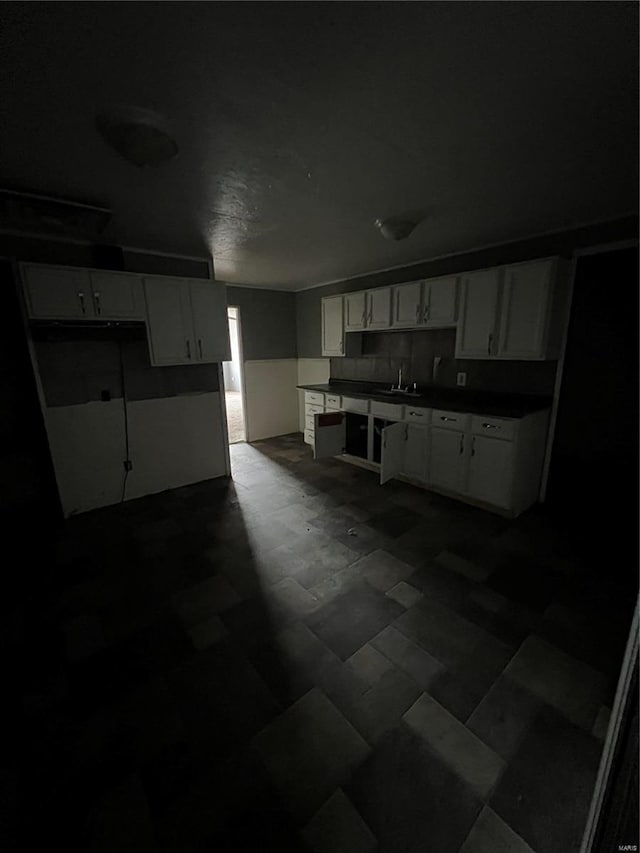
(395, 229)
(140, 136)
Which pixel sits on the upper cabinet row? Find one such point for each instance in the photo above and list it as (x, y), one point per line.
(186, 319)
(514, 312)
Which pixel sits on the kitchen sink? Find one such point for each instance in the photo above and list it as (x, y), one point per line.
(396, 393)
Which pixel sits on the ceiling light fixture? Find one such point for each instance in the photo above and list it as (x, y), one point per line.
(395, 229)
(140, 136)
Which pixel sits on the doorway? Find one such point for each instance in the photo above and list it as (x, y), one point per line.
(234, 381)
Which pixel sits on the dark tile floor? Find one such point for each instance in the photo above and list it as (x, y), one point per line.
(300, 659)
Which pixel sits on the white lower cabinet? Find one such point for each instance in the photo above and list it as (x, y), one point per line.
(447, 462)
(491, 470)
(416, 453)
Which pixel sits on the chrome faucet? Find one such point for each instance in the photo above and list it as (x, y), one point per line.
(399, 385)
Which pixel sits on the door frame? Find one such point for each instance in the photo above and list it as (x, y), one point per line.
(243, 393)
(602, 248)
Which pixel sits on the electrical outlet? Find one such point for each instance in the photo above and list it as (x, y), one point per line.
(461, 379)
(128, 465)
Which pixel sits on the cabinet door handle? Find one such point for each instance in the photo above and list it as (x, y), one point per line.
(417, 312)
(370, 314)
(473, 446)
(81, 298)
(96, 300)
(188, 348)
(397, 306)
(462, 443)
(364, 317)
(445, 418)
(200, 347)
(416, 414)
(491, 426)
(425, 314)
(489, 342)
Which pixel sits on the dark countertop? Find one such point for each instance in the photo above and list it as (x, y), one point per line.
(498, 404)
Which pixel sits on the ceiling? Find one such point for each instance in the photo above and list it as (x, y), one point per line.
(299, 124)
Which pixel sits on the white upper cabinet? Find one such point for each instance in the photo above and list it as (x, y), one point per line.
(378, 308)
(440, 302)
(367, 309)
(332, 326)
(476, 337)
(186, 320)
(57, 293)
(210, 323)
(117, 296)
(407, 304)
(525, 310)
(355, 313)
(169, 321)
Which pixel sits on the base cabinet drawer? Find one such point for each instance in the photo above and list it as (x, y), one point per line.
(494, 427)
(314, 398)
(309, 422)
(353, 404)
(450, 420)
(333, 402)
(308, 436)
(313, 410)
(389, 411)
(417, 416)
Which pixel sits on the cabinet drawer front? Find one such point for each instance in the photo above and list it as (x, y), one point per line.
(308, 437)
(310, 422)
(418, 416)
(350, 404)
(314, 397)
(392, 411)
(313, 410)
(494, 427)
(332, 402)
(450, 420)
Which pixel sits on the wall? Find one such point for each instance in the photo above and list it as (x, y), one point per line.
(383, 353)
(269, 349)
(176, 426)
(562, 243)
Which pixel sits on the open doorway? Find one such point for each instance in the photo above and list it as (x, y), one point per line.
(234, 381)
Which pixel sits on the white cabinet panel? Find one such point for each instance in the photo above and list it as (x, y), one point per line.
(491, 470)
(210, 323)
(169, 321)
(441, 301)
(447, 461)
(57, 293)
(525, 303)
(329, 435)
(117, 296)
(416, 452)
(407, 304)
(355, 313)
(332, 326)
(477, 326)
(379, 308)
(394, 439)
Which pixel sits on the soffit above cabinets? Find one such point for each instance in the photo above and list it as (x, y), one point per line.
(299, 125)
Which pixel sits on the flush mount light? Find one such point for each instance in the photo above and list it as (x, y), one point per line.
(140, 136)
(395, 229)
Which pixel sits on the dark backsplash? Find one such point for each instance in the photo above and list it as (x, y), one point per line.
(383, 353)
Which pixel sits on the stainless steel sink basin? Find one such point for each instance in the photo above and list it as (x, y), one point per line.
(397, 393)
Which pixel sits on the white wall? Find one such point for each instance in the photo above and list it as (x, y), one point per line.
(172, 442)
(311, 371)
(271, 397)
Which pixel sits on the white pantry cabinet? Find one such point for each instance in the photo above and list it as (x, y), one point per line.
(74, 293)
(332, 326)
(186, 321)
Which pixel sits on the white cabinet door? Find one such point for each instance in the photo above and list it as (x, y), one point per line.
(210, 323)
(379, 308)
(117, 296)
(477, 324)
(407, 304)
(169, 321)
(441, 301)
(491, 470)
(332, 326)
(447, 459)
(355, 313)
(57, 293)
(330, 435)
(525, 302)
(416, 453)
(394, 439)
